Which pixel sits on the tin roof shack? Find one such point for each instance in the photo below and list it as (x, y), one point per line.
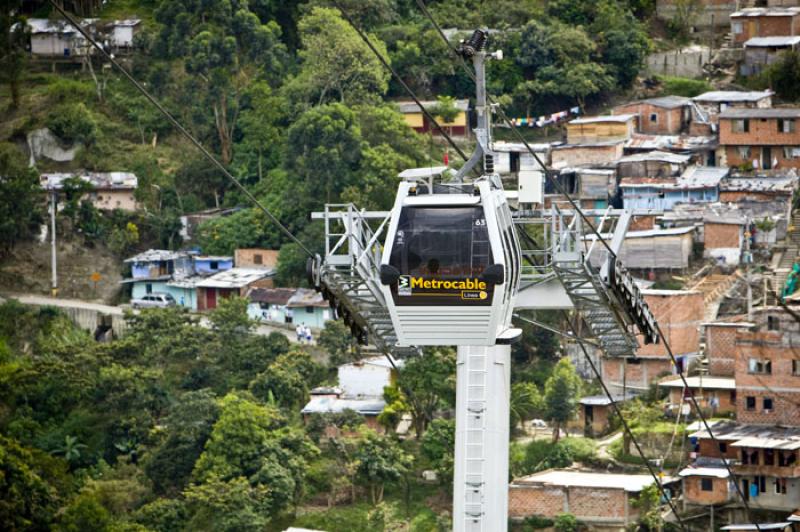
(598, 499)
(592, 187)
(165, 271)
(697, 184)
(715, 395)
(269, 304)
(599, 129)
(701, 147)
(360, 389)
(586, 154)
(760, 52)
(110, 190)
(665, 115)
(594, 413)
(721, 345)
(711, 104)
(513, 157)
(679, 313)
(122, 32)
(767, 369)
(651, 249)
(307, 307)
(233, 282)
(760, 138)
(417, 120)
(209, 264)
(652, 164)
(707, 485)
(739, 188)
(723, 237)
(57, 38)
(764, 22)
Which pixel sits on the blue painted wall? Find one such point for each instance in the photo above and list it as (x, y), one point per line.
(315, 318)
(276, 312)
(648, 198)
(204, 266)
(186, 297)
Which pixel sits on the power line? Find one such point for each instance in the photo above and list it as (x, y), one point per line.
(181, 129)
(513, 128)
(618, 411)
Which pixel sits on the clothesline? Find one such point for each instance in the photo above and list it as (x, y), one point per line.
(544, 120)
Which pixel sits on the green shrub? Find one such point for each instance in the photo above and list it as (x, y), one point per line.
(684, 86)
(64, 90)
(565, 523)
(580, 449)
(73, 122)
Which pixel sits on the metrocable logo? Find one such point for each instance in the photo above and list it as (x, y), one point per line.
(406, 284)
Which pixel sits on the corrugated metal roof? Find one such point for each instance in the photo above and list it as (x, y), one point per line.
(769, 42)
(775, 112)
(505, 147)
(603, 118)
(157, 255)
(322, 404)
(717, 472)
(712, 383)
(766, 12)
(305, 297)
(760, 526)
(99, 180)
(731, 431)
(218, 258)
(756, 442)
(639, 141)
(702, 176)
(603, 400)
(235, 278)
(656, 155)
(566, 478)
(648, 233)
(668, 102)
(412, 107)
(272, 296)
(733, 96)
(759, 184)
(129, 22)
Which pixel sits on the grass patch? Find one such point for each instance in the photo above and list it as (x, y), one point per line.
(683, 86)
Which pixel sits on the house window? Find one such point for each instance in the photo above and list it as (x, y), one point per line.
(723, 447)
(796, 368)
(634, 361)
(786, 125)
(214, 265)
(773, 323)
(148, 288)
(743, 152)
(737, 28)
(768, 404)
(654, 118)
(258, 259)
(706, 484)
(750, 403)
(759, 367)
(310, 310)
(780, 486)
(769, 457)
(741, 125)
(788, 152)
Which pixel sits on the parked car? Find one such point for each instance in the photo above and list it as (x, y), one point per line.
(154, 300)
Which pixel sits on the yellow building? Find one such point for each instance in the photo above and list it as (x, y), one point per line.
(417, 120)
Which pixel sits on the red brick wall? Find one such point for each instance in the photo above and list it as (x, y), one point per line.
(583, 503)
(694, 494)
(780, 385)
(764, 27)
(638, 375)
(726, 403)
(721, 235)
(679, 315)
(524, 501)
(776, 155)
(642, 223)
(586, 155)
(699, 129)
(737, 196)
(668, 121)
(709, 449)
(721, 350)
(592, 502)
(763, 132)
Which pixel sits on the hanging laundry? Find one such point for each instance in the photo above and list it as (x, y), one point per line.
(575, 110)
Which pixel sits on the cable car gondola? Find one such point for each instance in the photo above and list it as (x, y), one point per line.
(450, 266)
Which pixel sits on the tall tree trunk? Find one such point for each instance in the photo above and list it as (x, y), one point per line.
(556, 431)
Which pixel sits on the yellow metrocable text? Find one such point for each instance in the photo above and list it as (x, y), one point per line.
(436, 284)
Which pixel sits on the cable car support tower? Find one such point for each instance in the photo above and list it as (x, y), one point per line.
(554, 270)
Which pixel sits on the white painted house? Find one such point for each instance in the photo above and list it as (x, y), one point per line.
(366, 378)
(56, 38)
(123, 32)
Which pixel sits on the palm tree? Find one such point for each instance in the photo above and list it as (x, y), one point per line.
(71, 450)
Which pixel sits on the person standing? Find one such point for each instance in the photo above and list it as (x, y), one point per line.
(300, 333)
(308, 336)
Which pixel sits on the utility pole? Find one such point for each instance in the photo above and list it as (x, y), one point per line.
(53, 254)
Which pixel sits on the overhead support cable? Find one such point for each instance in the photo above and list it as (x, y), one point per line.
(249, 195)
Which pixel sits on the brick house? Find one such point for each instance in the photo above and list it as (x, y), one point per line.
(764, 22)
(679, 314)
(596, 129)
(721, 346)
(665, 115)
(594, 414)
(723, 237)
(709, 105)
(597, 499)
(761, 138)
(256, 258)
(706, 486)
(716, 395)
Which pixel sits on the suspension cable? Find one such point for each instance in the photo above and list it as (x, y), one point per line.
(558, 186)
(180, 128)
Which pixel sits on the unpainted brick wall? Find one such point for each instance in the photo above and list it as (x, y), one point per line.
(694, 494)
(524, 501)
(679, 315)
(722, 235)
(721, 350)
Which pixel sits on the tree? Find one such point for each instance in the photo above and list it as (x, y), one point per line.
(71, 450)
(561, 394)
(27, 500)
(13, 56)
(233, 505)
(649, 505)
(445, 108)
(526, 403)
(336, 63)
(73, 122)
(20, 199)
(437, 446)
(336, 339)
(783, 76)
(428, 383)
(378, 460)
